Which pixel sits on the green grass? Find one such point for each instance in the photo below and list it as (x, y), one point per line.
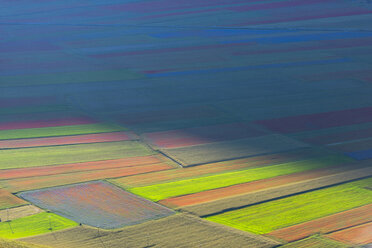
(316, 241)
(53, 155)
(269, 216)
(166, 190)
(59, 131)
(34, 225)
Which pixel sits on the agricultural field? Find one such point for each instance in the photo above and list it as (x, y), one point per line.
(156, 233)
(55, 155)
(316, 242)
(188, 186)
(5, 243)
(328, 224)
(297, 209)
(357, 235)
(34, 225)
(163, 123)
(109, 206)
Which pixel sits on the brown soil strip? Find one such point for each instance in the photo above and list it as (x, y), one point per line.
(327, 224)
(358, 235)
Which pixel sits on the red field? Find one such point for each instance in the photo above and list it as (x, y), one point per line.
(68, 174)
(327, 224)
(67, 140)
(170, 175)
(359, 235)
(216, 194)
(301, 123)
(46, 123)
(79, 167)
(202, 135)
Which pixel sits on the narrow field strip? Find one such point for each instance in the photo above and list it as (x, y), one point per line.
(8, 200)
(26, 101)
(316, 241)
(34, 109)
(166, 190)
(341, 137)
(359, 235)
(79, 167)
(253, 198)
(172, 231)
(202, 135)
(302, 123)
(197, 112)
(59, 131)
(219, 193)
(339, 221)
(69, 77)
(34, 225)
(38, 182)
(46, 123)
(67, 140)
(297, 209)
(41, 156)
(19, 212)
(213, 168)
(354, 146)
(109, 206)
(208, 153)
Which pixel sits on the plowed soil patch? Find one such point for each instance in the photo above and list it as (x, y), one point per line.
(8, 200)
(355, 235)
(327, 224)
(18, 212)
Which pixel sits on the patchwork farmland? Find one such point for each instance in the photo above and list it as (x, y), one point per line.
(186, 123)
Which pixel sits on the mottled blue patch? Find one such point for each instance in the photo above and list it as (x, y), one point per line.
(360, 155)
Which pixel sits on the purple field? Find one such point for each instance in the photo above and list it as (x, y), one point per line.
(97, 204)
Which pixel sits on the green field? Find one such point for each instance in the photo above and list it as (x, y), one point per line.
(269, 216)
(166, 190)
(40, 156)
(34, 225)
(59, 131)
